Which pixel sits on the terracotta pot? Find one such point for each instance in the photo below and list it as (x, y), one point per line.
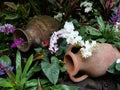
(36, 31)
(93, 66)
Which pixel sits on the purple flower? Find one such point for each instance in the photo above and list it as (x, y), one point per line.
(7, 28)
(1, 71)
(4, 66)
(115, 16)
(17, 42)
(2, 28)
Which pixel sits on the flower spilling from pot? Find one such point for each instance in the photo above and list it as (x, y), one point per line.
(18, 41)
(72, 37)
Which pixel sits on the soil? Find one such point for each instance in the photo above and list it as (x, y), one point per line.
(106, 82)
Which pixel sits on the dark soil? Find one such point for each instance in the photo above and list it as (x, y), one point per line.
(107, 82)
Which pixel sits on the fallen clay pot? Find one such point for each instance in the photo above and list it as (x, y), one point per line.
(93, 66)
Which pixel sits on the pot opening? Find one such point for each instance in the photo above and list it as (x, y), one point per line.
(21, 34)
(69, 63)
(75, 49)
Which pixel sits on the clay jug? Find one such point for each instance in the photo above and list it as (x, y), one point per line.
(36, 31)
(93, 66)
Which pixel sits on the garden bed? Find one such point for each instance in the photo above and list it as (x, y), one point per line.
(36, 37)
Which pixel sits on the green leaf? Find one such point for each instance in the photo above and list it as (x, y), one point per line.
(37, 50)
(93, 31)
(64, 87)
(51, 1)
(11, 17)
(6, 59)
(101, 23)
(101, 40)
(117, 66)
(35, 68)
(102, 2)
(5, 83)
(111, 69)
(31, 83)
(51, 70)
(18, 66)
(118, 86)
(11, 5)
(27, 66)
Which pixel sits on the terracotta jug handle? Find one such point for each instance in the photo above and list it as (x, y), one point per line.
(81, 78)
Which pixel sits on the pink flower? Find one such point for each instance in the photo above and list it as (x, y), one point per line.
(17, 42)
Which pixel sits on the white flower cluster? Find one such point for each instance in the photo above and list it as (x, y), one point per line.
(88, 48)
(53, 41)
(72, 37)
(87, 5)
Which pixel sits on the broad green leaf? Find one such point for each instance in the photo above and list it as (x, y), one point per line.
(111, 69)
(6, 59)
(63, 68)
(5, 83)
(101, 40)
(18, 66)
(82, 30)
(51, 70)
(117, 66)
(93, 31)
(27, 66)
(90, 28)
(76, 23)
(62, 47)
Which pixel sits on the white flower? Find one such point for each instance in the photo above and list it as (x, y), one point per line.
(88, 9)
(78, 41)
(69, 26)
(70, 40)
(72, 37)
(88, 48)
(118, 60)
(94, 45)
(87, 5)
(85, 52)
